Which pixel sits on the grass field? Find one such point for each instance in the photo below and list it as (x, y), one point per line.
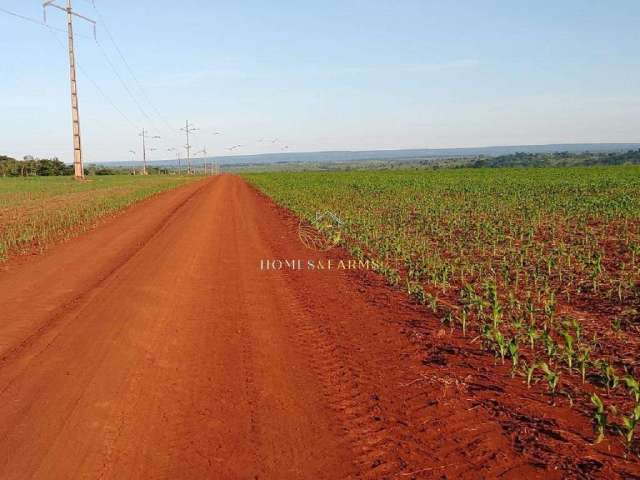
(540, 265)
(35, 211)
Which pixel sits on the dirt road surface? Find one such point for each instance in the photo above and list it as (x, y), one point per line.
(154, 347)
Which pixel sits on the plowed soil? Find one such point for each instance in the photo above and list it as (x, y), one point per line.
(155, 347)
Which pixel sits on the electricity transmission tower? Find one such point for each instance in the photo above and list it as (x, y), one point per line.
(188, 130)
(145, 134)
(75, 112)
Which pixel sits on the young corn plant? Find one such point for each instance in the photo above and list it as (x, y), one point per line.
(514, 354)
(517, 323)
(491, 291)
(611, 380)
(432, 300)
(616, 324)
(584, 360)
(501, 344)
(532, 334)
(448, 319)
(486, 333)
(553, 378)
(530, 370)
(549, 344)
(568, 349)
(415, 290)
(629, 426)
(599, 417)
(577, 328)
(634, 388)
(464, 318)
(531, 310)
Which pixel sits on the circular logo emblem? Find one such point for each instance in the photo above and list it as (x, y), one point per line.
(321, 234)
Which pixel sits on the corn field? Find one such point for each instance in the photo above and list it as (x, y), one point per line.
(541, 266)
(37, 211)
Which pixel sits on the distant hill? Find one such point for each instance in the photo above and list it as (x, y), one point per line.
(408, 154)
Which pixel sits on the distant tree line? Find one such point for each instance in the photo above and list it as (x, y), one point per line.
(47, 167)
(558, 159)
(96, 170)
(31, 167)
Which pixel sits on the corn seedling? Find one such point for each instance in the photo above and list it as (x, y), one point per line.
(629, 426)
(616, 324)
(532, 334)
(583, 362)
(513, 352)
(501, 343)
(549, 344)
(432, 300)
(634, 388)
(553, 378)
(530, 371)
(568, 349)
(611, 380)
(463, 321)
(599, 417)
(577, 328)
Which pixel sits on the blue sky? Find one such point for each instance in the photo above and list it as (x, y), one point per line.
(346, 74)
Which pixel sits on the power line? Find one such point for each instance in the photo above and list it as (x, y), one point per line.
(52, 30)
(110, 63)
(17, 15)
(106, 97)
(122, 81)
(108, 60)
(95, 84)
(124, 84)
(130, 70)
(34, 20)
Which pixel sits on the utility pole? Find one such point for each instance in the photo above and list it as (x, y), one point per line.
(133, 159)
(144, 151)
(205, 164)
(173, 149)
(144, 134)
(188, 130)
(78, 166)
(204, 152)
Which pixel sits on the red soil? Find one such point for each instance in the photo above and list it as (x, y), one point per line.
(155, 347)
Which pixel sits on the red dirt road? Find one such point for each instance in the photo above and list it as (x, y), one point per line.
(154, 347)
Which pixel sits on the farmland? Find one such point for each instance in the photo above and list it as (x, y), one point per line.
(159, 331)
(540, 266)
(36, 211)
